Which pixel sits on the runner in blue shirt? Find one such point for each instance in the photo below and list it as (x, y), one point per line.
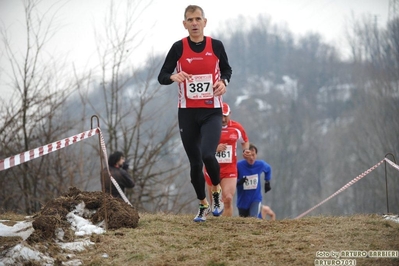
(249, 193)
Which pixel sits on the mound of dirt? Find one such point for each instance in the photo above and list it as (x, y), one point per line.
(99, 207)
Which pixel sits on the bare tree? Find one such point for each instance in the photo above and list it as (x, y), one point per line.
(135, 114)
(375, 106)
(32, 117)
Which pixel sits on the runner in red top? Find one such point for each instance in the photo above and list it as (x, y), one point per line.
(197, 90)
(202, 74)
(226, 154)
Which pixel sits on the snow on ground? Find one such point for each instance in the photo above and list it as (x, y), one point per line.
(22, 253)
(391, 217)
(81, 226)
(22, 229)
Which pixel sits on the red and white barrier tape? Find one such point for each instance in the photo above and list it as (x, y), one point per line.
(44, 150)
(104, 150)
(350, 184)
(392, 164)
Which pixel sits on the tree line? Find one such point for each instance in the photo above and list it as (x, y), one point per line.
(319, 120)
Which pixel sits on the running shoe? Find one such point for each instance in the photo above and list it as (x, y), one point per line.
(202, 213)
(217, 204)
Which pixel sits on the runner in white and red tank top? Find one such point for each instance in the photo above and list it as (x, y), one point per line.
(197, 90)
(202, 73)
(232, 133)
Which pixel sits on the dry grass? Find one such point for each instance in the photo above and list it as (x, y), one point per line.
(11, 218)
(162, 239)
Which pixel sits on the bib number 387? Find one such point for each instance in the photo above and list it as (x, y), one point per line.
(200, 87)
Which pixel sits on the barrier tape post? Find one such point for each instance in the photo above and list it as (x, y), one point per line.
(111, 177)
(46, 149)
(350, 183)
(101, 171)
(394, 165)
(386, 175)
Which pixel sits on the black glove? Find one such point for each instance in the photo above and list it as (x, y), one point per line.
(267, 186)
(125, 165)
(242, 181)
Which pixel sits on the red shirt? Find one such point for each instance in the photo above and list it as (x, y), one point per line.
(231, 134)
(204, 66)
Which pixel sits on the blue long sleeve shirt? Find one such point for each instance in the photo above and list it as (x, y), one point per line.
(251, 190)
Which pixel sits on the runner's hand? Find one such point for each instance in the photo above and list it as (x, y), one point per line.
(247, 154)
(219, 88)
(221, 147)
(242, 181)
(180, 77)
(267, 186)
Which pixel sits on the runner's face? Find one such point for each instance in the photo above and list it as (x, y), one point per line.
(195, 24)
(226, 119)
(253, 156)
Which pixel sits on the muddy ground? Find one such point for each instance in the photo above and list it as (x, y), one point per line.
(102, 207)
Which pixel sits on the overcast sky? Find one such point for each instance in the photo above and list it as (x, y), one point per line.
(162, 21)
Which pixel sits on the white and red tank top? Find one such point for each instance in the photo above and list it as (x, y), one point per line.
(232, 134)
(204, 68)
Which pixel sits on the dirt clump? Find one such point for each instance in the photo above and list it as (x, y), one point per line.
(98, 207)
(8, 242)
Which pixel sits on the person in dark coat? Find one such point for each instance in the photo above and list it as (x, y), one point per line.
(118, 169)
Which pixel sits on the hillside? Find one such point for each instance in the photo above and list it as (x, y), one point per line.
(165, 239)
(176, 240)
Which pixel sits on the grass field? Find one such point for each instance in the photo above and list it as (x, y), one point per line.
(176, 240)
(162, 239)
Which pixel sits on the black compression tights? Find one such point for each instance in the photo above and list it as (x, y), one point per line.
(200, 130)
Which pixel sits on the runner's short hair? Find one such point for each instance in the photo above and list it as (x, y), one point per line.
(192, 8)
(253, 147)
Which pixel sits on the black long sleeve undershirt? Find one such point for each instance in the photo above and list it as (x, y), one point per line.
(176, 52)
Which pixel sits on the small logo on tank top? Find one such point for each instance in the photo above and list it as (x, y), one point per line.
(194, 58)
(233, 136)
(208, 101)
(208, 54)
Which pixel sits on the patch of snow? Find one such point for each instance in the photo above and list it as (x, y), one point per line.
(20, 253)
(23, 229)
(73, 262)
(76, 246)
(81, 226)
(394, 218)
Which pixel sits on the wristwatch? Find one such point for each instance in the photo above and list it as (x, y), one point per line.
(226, 82)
